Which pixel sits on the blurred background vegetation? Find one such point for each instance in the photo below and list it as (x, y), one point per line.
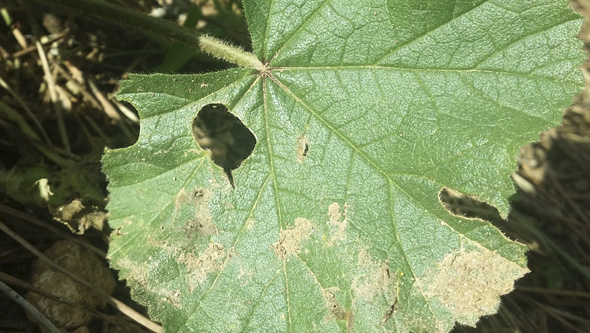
(58, 73)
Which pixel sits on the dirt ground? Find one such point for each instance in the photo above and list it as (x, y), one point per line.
(551, 210)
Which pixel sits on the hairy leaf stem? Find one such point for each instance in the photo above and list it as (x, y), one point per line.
(150, 25)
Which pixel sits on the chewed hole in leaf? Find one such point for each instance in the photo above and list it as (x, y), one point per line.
(229, 140)
(467, 206)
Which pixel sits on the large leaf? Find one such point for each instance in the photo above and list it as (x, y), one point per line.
(366, 111)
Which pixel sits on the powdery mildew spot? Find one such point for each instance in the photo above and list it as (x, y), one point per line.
(470, 284)
(180, 198)
(338, 223)
(250, 224)
(290, 239)
(302, 148)
(137, 273)
(172, 297)
(199, 267)
(373, 279)
(336, 311)
(192, 151)
(201, 223)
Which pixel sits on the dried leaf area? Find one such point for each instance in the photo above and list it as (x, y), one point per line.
(469, 284)
(200, 266)
(291, 238)
(338, 222)
(302, 148)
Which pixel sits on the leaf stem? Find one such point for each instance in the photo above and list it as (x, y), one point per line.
(133, 19)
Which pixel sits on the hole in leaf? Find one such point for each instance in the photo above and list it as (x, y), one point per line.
(466, 206)
(229, 140)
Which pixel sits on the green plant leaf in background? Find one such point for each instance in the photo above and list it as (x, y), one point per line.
(365, 112)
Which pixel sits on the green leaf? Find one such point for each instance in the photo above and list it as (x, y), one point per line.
(366, 111)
